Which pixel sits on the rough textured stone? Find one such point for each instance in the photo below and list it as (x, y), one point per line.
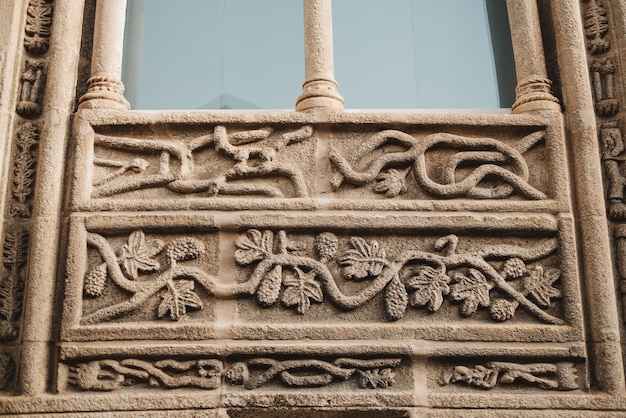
(314, 263)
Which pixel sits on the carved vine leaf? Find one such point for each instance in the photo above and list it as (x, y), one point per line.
(473, 289)
(177, 299)
(538, 285)
(391, 182)
(255, 246)
(300, 290)
(429, 287)
(364, 260)
(137, 254)
(376, 378)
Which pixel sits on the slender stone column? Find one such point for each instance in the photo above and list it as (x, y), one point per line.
(106, 90)
(533, 90)
(603, 335)
(320, 88)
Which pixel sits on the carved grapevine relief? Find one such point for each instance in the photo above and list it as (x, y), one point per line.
(500, 279)
(14, 253)
(186, 176)
(305, 280)
(504, 166)
(108, 374)
(561, 376)
(38, 24)
(138, 273)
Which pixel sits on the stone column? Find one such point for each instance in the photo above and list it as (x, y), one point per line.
(320, 88)
(106, 90)
(533, 91)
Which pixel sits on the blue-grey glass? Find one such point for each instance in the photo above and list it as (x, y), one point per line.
(423, 53)
(213, 54)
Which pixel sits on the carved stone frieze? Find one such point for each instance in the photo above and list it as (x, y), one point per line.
(38, 25)
(550, 376)
(32, 86)
(166, 272)
(209, 374)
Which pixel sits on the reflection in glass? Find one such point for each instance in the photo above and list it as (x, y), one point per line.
(423, 53)
(213, 54)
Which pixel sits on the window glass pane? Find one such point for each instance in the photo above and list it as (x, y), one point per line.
(213, 54)
(423, 53)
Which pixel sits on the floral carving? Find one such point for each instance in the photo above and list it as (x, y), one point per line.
(23, 176)
(301, 289)
(498, 170)
(138, 272)
(472, 289)
(363, 261)
(14, 257)
(251, 153)
(429, 287)
(561, 376)
(109, 375)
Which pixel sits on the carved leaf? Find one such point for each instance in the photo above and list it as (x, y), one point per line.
(538, 285)
(391, 182)
(396, 299)
(254, 247)
(39, 19)
(7, 370)
(376, 378)
(269, 288)
(430, 286)
(364, 260)
(15, 247)
(300, 290)
(137, 255)
(178, 299)
(473, 289)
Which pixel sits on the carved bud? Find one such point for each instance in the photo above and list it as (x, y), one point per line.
(396, 299)
(326, 245)
(269, 289)
(95, 280)
(185, 248)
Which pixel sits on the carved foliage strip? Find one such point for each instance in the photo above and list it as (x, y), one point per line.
(109, 374)
(559, 376)
(499, 278)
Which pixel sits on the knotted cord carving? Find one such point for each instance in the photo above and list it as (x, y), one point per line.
(108, 374)
(490, 156)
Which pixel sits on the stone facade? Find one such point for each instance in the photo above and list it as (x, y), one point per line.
(315, 262)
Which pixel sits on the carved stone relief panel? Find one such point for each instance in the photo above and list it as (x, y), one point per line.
(144, 161)
(289, 275)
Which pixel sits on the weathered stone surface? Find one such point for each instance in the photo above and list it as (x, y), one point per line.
(314, 263)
